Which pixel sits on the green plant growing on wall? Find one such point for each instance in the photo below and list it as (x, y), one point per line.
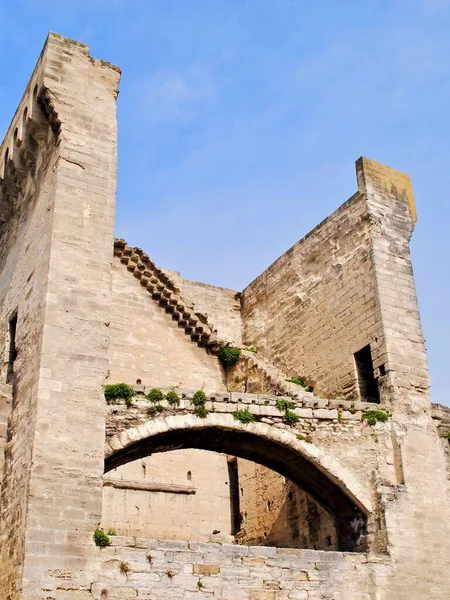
(229, 355)
(198, 398)
(290, 418)
(244, 416)
(101, 539)
(374, 416)
(173, 398)
(300, 381)
(118, 391)
(200, 584)
(251, 349)
(112, 532)
(155, 395)
(201, 411)
(283, 404)
(447, 435)
(304, 438)
(296, 380)
(152, 411)
(199, 401)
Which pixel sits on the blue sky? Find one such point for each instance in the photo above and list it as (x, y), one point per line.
(240, 121)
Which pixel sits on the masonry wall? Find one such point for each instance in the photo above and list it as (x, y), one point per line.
(56, 273)
(24, 266)
(418, 517)
(276, 512)
(223, 307)
(187, 497)
(135, 567)
(147, 344)
(317, 305)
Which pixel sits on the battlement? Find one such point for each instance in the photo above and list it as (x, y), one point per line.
(36, 124)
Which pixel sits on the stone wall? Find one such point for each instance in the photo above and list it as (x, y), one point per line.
(139, 568)
(58, 170)
(27, 212)
(315, 306)
(276, 512)
(222, 306)
(181, 495)
(147, 344)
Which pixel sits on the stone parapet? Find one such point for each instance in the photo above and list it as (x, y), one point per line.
(137, 567)
(310, 413)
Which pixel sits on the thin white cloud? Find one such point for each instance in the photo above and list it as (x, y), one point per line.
(174, 96)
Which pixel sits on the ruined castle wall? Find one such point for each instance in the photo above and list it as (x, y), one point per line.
(188, 499)
(417, 516)
(441, 419)
(57, 274)
(24, 259)
(147, 344)
(315, 306)
(134, 567)
(276, 512)
(223, 307)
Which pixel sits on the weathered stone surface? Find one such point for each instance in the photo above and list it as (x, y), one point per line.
(70, 321)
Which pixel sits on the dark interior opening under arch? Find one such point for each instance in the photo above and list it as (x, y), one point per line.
(350, 519)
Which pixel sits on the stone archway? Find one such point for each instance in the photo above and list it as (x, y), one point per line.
(320, 475)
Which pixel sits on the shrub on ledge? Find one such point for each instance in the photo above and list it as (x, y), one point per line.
(290, 418)
(199, 398)
(201, 411)
(173, 398)
(101, 539)
(228, 355)
(118, 391)
(155, 395)
(373, 416)
(244, 416)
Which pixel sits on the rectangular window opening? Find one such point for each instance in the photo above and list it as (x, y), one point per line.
(12, 351)
(234, 495)
(368, 384)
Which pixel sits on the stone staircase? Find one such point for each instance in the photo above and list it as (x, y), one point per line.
(164, 291)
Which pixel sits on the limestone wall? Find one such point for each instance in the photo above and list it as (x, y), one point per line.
(147, 344)
(159, 570)
(58, 169)
(181, 495)
(24, 264)
(276, 512)
(223, 307)
(315, 306)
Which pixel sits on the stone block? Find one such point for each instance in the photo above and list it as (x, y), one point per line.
(206, 569)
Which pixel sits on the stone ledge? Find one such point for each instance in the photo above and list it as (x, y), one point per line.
(169, 488)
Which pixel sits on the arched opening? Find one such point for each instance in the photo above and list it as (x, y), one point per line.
(330, 489)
